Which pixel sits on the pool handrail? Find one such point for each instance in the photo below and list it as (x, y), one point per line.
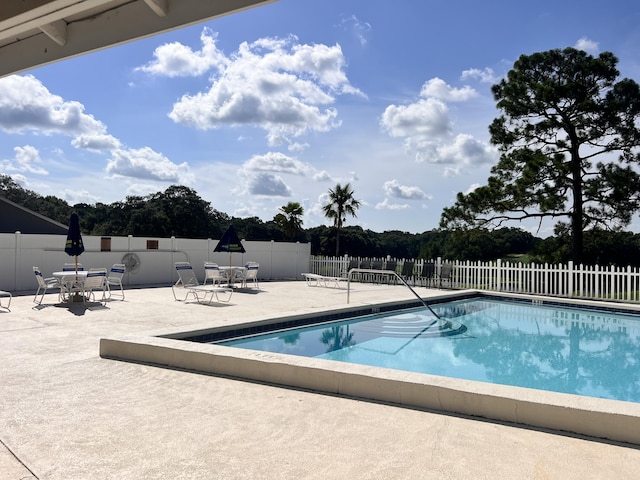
(386, 272)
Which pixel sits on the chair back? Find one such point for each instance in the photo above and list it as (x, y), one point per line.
(95, 278)
(39, 277)
(71, 267)
(187, 275)
(212, 272)
(252, 270)
(407, 269)
(428, 269)
(117, 271)
(445, 272)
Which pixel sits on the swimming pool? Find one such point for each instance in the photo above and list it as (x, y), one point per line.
(595, 417)
(548, 347)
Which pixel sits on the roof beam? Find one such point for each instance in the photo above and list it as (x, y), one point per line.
(56, 31)
(158, 6)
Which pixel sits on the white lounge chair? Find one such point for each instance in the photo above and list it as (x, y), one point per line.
(188, 281)
(45, 284)
(115, 278)
(212, 272)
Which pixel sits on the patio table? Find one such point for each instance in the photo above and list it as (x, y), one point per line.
(231, 272)
(71, 278)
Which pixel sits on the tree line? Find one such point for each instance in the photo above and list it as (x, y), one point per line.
(179, 211)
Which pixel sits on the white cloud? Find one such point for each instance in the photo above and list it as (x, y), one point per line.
(437, 88)
(27, 159)
(280, 86)
(276, 162)
(427, 129)
(146, 164)
(322, 176)
(466, 150)
(587, 45)
(392, 188)
(486, 75)
(386, 205)
(420, 122)
(177, 60)
(268, 184)
(96, 142)
(26, 105)
(472, 187)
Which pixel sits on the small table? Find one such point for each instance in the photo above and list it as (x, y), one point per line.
(231, 272)
(70, 278)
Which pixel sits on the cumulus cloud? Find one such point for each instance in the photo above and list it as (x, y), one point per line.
(278, 85)
(428, 130)
(322, 176)
(268, 184)
(423, 120)
(587, 45)
(146, 164)
(177, 60)
(98, 142)
(27, 159)
(392, 188)
(261, 174)
(26, 105)
(386, 205)
(438, 88)
(276, 162)
(486, 75)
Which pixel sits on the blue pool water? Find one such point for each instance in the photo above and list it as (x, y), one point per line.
(546, 347)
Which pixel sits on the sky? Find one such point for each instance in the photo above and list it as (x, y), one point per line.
(282, 102)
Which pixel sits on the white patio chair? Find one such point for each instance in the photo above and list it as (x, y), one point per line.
(96, 280)
(251, 274)
(45, 284)
(115, 278)
(188, 281)
(212, 272)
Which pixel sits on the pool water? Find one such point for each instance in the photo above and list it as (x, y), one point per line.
(547, 347)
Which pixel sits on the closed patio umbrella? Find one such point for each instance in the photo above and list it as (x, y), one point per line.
(230, 243)
(74, 246)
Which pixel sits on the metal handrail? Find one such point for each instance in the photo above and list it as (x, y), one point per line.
(386, 272)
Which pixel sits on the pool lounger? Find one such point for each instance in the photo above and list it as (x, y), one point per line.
(200, 292)
(315, 280)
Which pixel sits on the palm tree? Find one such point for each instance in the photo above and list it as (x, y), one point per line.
(341, 203)
(290, 219)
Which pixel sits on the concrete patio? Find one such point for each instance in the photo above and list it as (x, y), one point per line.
(69, 414)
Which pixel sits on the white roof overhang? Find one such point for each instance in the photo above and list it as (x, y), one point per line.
(39, 32)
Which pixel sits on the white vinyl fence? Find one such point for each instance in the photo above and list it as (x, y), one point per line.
(149, 261)
(564, 280)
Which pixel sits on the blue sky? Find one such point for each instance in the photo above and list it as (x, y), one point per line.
(282, 102)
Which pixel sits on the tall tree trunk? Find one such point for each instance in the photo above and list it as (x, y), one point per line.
(577, 237)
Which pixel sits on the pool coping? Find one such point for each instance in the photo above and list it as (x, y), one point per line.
(594, 417)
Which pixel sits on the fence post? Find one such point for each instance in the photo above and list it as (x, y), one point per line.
(570, 280)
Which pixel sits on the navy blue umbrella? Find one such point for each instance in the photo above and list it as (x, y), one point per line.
(230, 243)
(74, 246)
